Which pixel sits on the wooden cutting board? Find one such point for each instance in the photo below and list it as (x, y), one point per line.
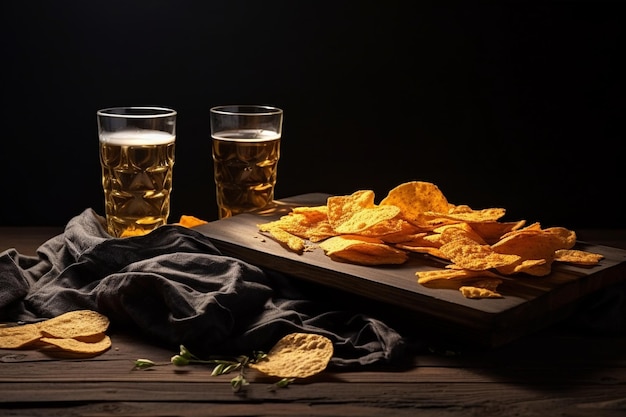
(528, 303)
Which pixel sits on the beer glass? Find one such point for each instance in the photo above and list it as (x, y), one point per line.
(246, 149)
(137, 159)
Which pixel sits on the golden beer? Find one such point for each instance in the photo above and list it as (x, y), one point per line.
(245, 164)
(137, 179)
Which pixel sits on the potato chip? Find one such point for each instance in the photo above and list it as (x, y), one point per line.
(357, 212)
(415, 239)
(403, 231)
(362, 250)
(578, 257)
(469, 254)
(470, 291)
(77, 333)
(424, 277)
(311, 223)
(190, 221)
(466, 229)
(20, 336)
(536, 267)
(423, 243)
(415, 198)
(297, 355)
(132, 231)
(433, 240)
(74, 324)
(566, 237)
(342, 208)
(367, 219)
(492, 231)
(536, 246)
(75, 348)
(428, 250)
(293, 242)
(316, 213)
(484, 215)
(531, 227)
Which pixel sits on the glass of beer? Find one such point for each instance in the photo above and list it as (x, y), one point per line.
(137, 159)
(246, 149)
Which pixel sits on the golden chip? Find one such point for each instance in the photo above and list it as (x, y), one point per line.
(369, 218)
(578, 257)
(466, 231)
(15, 337)
(132, 231)
(416, 197)
(429, 250)
(536, 267)
(357, 212)
(469, 291)
(362, 250)
(424, 277)
(484, 215)
(75, 334)
(468, 254)
(492, 231)
(297, 355)
(308, 223)
(75, 324)
(402, 232)
(293, 242)
(534, 246)
(190, 221)
(317, 212)
(414, 239)
(342, 208)
(75, 348)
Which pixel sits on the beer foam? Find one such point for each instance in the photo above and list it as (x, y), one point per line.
(136, 137)
(247, 135)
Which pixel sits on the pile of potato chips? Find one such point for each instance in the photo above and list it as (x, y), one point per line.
(76, 334)
(416, 217)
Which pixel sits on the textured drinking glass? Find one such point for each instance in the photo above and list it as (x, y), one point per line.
(246, 149)
(137, 159)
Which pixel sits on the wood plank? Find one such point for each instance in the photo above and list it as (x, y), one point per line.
(556, 358)
(551, 372)
(529, 303)
(455, 399)
(26, 240)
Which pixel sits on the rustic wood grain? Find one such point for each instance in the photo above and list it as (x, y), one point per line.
(562, 369)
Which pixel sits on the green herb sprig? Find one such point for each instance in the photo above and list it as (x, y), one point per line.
(222, 366)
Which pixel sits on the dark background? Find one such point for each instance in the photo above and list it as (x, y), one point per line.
(501, 104)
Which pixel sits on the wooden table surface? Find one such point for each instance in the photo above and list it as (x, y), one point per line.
(567, 369)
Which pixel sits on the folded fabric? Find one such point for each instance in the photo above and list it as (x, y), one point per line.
(174, 287)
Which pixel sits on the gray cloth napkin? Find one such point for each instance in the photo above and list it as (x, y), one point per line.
(174, 287)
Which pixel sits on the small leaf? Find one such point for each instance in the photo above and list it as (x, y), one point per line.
(218, 370)
(184, 352)
(238, 382)
(144, 364)
(284, 382)
(179, 360)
